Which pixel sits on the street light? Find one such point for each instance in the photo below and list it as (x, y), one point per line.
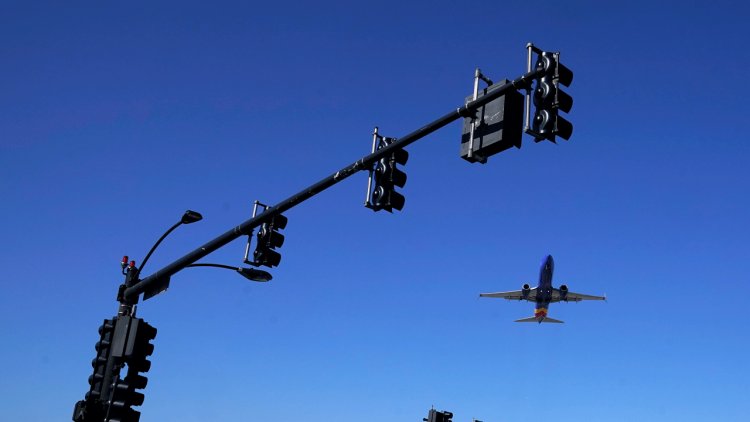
(249, 273)
(189, 217)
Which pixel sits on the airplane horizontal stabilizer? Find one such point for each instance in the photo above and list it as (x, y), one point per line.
(529, 319)
(548, 319)
(539, 319)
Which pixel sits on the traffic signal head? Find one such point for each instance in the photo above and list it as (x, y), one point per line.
(437, 416)
(123, 398)
(99, 363)
(136, 349)
(387, 178)
(549, 99)
(139, 346)
(269, 239)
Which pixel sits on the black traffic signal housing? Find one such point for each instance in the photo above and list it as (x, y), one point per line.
(103, 347)
(549, 99)
(139, 347)
(387, 177)
(124, 396)
(134, 346)
(268, 240)
(437, 416)
(92, 407)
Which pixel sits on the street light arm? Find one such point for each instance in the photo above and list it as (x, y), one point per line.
(229, 267)
(188, 217)
(153, 248)
(249, 273)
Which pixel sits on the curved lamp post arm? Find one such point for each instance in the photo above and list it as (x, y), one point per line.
(249, 273)
(187, 218)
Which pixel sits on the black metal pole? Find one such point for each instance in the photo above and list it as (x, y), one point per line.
(132, 292)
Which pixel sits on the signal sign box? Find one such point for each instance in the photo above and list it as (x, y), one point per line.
(498, 125)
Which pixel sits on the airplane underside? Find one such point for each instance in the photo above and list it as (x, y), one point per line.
(544, 294)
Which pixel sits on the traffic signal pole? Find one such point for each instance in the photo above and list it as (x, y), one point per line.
(131, 293)
(124, 339)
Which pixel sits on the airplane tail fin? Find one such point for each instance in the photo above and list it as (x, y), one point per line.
(539, 320)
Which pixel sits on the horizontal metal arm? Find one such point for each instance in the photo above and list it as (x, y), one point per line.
(364, 163)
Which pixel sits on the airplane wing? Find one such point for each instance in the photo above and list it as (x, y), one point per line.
(514, 295)
(574, 297)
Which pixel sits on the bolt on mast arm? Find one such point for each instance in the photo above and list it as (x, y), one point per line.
(246, 227)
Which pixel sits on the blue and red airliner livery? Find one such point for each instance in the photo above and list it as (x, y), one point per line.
(543, 294)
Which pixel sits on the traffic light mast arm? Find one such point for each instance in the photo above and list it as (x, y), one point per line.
(131, 293)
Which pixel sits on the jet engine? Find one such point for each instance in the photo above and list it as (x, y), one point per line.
(525, 290)
(563, 292)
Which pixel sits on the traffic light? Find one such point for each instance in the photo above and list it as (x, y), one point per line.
(387, 178)
(436, 416)
(269, 239)
(549, 99)
(137, 348)
(124, 396)
(92, 407)
(103, 346)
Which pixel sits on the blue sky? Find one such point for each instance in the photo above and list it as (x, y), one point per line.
(115, 119)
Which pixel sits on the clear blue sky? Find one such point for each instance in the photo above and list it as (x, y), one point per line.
(114, 119)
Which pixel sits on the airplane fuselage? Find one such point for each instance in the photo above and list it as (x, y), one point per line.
(544, 288)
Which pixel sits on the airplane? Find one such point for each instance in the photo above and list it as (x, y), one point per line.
(543, 294)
